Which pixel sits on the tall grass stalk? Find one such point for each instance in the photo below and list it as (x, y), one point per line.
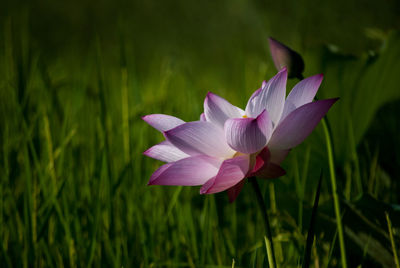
(268, 237)
(396, 258)
(311, 230)
(278, 244)
(334, 192)
(125, 114)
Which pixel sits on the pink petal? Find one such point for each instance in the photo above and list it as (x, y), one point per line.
(166, 152)
(231, 172)
(285, 56)
(262, 160)
(280, 53)
(200, 137)
(254, 100)
(304, 92)
(235, 190)
(158, 172)
(248, 135)
(191, 171)
(217, 110)
(203, 117)
(271, 97)
(264, 168)
(299, 124)
(270, 171)
(277, 156)
(257, 92)
(162, 122)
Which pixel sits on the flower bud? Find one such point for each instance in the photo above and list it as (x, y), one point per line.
(283, 56)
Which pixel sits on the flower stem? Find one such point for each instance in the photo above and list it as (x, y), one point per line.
(268, 237)
(334, 192)
(396, 258)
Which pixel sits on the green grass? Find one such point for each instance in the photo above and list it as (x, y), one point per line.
(73, 178)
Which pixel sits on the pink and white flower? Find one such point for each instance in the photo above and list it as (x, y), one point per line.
(229, 144)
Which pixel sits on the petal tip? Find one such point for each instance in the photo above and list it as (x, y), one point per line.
(333, 100)
(155, 176)
(207, 186)
(274, 43)
(149, 152)
(205, 189)
(146, 152)
(207, 100)
(152, 179)
(144, 117)
(209, 95)
(282, 71)
(319, 77)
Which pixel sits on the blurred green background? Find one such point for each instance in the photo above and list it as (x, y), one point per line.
(76, 77)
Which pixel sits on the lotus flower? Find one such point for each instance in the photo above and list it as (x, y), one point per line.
(229, 144)
(284, 56)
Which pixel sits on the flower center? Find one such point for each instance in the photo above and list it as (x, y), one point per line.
(244, 116)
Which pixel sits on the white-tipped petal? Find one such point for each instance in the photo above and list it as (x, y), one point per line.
(231, 172)
(217, 110)
(248, 135)
(271, 97)
(166, 152)
(302, 93)
(200, 137)
(299, 124)
(191, 171)
(162, 122)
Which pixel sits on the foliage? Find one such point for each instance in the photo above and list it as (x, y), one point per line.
(73, 179)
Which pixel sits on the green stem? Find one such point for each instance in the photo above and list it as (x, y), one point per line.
(268, 237)
(334, 192)
(396, 258)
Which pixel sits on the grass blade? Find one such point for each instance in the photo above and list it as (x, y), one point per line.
(311, 230)
(269, 244)
(396, 258)
(334, 192)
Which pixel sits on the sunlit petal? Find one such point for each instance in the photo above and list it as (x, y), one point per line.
(299, 124)
(271, 97)
(162, 122)
(166, 152)
(217, 110)
(190, 171)
(199, 137)
(231, 172)
(303, 92)
(248, 135)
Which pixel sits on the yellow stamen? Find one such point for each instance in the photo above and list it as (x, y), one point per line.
(244, 116)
